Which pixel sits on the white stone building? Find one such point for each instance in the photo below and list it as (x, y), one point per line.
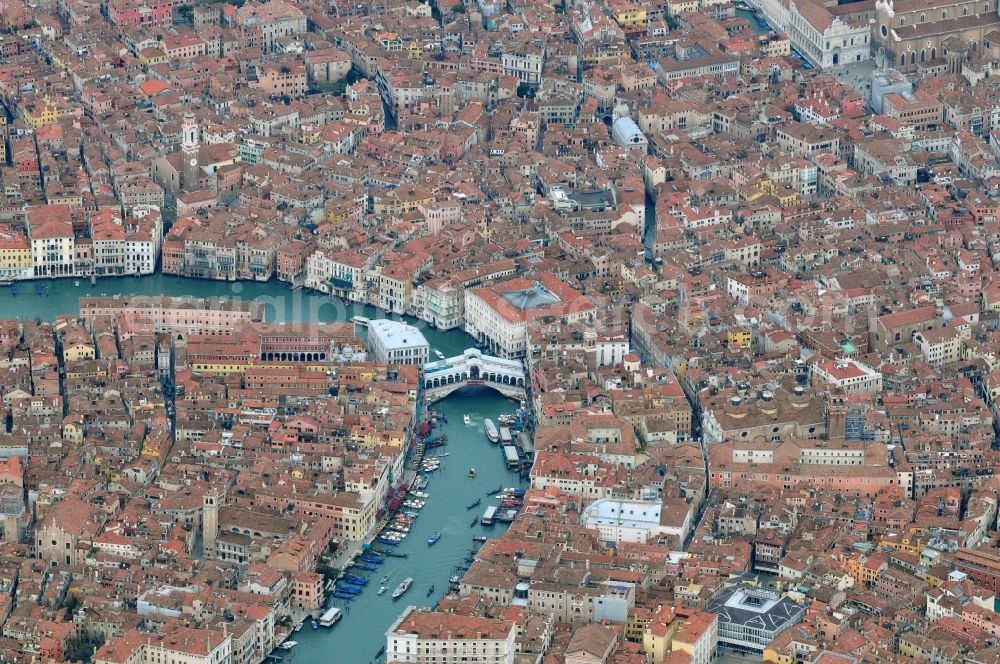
(849, 375)
(421, 636)
(636, 521)
(822, 38)
(393, 342)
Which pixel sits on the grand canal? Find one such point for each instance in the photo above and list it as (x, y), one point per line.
(361, 633)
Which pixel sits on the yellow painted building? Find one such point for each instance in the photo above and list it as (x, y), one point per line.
(675, 7)
(740, 338)
(309, 134)
(77, 352)
(40, 114)
(630, 16)
(402, 201)
(659, 635)
(935, 576)
(788, 198)
(863, 570)
(152, 56)
(15, 255)
(910, 545)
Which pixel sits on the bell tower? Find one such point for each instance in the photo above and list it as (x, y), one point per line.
(211, 501)
(189, 148)
(189, 134)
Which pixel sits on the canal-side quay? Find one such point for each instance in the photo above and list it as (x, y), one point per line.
(360, 633)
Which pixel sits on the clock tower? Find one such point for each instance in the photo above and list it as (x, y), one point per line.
(189, 149)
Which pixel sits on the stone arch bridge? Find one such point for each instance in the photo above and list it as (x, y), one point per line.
(442, 377)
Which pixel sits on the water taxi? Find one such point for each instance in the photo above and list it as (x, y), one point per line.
(479, 538)
(467, 419)
(315, 625)
(288, 645)
(492, 433)
(382, 589)
(402, 587)
(434, 538)
(438, 354)
(472, 472)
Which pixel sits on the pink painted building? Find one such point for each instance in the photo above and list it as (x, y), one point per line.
(439, 214)
(140, 12)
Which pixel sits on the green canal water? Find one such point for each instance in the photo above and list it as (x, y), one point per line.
(50, 298)
(361, 633)
(357, 638)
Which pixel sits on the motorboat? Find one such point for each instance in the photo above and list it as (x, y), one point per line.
(472, 472)
(288, 645)
(468, 420)
(384, 579)
(298, 626)
(479, 538)
(315, 625)
(434, 538)
(382, 589)
(438, 354)
(492, 432)
(402, 587)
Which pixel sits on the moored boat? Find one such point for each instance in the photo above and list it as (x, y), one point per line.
(434, 538)
(330, 617)
(492, 433)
